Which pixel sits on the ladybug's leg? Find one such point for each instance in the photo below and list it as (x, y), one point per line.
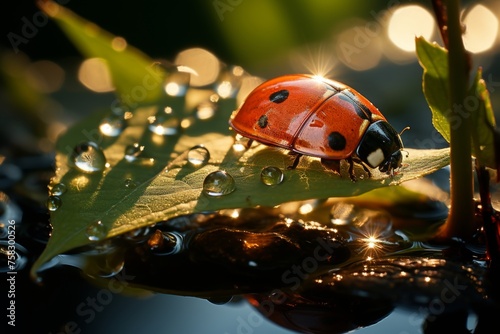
(334, 165)
(351, 169)
(359, 162)
(351, 162)
(249, 143)
(295, 162)
(365, 169)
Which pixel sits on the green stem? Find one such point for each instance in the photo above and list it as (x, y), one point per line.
(460, 219)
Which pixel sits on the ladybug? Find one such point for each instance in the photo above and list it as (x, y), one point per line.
(318, 117)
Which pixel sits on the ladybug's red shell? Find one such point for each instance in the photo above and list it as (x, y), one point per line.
(306, 114)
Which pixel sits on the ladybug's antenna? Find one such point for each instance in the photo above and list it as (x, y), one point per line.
(402, 149)
(407, 128)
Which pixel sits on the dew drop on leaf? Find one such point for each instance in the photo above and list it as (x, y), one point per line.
(271, 176)
(218, 183)
(198, 155)
(240, 143)
(112, 126)
(165, 123)
(53, 203)
(58, 189)
(133, 151)
(96, 231)
(229, 82)
(178, 79)
(129, 183)
(88, 157)
(120, 109)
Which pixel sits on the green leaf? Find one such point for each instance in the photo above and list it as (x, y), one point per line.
(162, 184)
(134, 75)
(483, 122)
(434, 61)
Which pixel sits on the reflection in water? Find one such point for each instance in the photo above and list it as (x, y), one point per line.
(348, 272)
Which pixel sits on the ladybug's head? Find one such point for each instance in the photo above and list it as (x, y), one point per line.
(392, 162)
(381, 147)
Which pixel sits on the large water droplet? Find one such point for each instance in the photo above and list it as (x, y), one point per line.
(165, 123)
(53, 203)
(112, 126)
(106, 262)
(134, 151)
(218, 183)
(58, 189)
(96, 231)
(89, 158)
(198, 155)
(271, 176)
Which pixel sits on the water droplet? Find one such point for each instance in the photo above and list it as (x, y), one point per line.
(96, 231)
(229, 82)
(177, 81)
(53, 203)
(120, 109)
(198, 155)
(220, 300)
(218, 183)
(271, 176)
(134, 151)
(240, 143)
(112, 126)
(106, 262)
(165, 123)
(165, 243)
(89, 158)
(129, 183)
(58, 189)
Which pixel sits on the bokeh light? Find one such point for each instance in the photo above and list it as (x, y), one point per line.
(481, 29)
(359, 47)
(406, 23)
(119, 44)
(202, 62)
(94, 74)
(45, 76)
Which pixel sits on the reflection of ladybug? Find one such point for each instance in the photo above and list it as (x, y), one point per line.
(314, 116)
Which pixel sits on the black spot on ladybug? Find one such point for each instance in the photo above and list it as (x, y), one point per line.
(262, 122)
(361, 110)
(336, 141)
(279, 96)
